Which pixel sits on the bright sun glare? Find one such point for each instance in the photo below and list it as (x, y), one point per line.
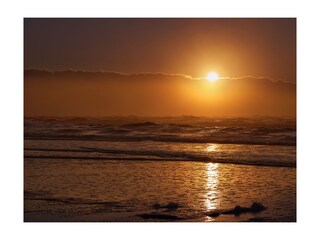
(212, 76)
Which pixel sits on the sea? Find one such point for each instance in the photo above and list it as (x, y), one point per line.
(136, 169)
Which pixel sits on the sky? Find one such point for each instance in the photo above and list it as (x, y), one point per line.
(232, 47)
(159, 67)
(99, 94)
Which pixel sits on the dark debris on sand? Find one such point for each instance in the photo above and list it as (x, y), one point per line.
(171, 206)
(237, 210)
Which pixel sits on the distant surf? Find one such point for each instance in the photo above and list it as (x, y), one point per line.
(253, 141)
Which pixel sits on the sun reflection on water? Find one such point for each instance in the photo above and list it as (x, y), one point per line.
(212, 148)
(211, 196)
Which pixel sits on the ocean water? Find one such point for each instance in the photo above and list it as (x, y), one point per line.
(113, 169)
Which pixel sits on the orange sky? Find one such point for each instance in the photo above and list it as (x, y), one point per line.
(234, 47)
(71, 93)
(183, 50)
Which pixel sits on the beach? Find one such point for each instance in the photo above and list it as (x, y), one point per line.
(129, 169)
(82, 190)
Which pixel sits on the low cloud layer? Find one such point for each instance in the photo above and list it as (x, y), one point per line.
(82, 93)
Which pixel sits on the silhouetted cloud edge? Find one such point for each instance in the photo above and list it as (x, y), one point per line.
(34, 72)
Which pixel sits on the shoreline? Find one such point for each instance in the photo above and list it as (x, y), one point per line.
(293, 165)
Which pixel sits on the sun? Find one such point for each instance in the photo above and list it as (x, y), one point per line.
(212, 76)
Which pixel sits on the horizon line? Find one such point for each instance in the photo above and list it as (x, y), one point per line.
(153, 73)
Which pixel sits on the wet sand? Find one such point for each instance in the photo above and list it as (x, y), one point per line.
(122, 191)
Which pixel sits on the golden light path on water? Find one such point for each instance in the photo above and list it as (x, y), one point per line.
(212, 191)
(211, 195)
(212, 148)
